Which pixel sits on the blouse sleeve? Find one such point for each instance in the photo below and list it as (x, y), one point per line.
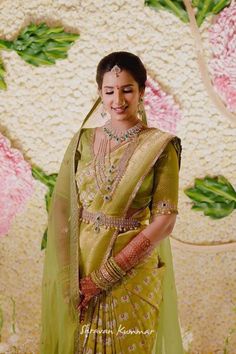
(166, 180)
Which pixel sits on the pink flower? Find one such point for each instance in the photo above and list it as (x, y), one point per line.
(161, 110)
(16, 184)
(222, 66)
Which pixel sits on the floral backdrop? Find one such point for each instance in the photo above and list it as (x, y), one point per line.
(42, 106)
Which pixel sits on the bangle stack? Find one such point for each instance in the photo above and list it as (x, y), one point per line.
(108, 274)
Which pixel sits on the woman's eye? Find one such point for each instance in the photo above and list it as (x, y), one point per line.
(127, 91)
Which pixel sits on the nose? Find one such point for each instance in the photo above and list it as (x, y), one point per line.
(118, 98)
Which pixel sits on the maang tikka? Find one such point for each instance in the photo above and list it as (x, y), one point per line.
(116, 70)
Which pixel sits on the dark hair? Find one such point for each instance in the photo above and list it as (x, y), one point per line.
(126, 61)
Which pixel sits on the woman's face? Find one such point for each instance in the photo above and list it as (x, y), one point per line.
(120, 94)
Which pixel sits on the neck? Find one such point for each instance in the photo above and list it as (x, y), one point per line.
(124, 124)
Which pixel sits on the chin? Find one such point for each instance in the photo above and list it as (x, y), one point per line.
(120, 117)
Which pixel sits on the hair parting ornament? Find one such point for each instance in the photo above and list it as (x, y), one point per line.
(116, 70)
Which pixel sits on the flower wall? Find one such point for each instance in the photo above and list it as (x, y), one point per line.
(42, 108)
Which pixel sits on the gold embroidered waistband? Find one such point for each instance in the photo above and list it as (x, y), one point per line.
(120, 223)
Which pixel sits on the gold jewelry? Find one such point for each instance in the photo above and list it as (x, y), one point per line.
(120, 136)
(116, 70)
(107, 182)
(100, 219)
(140, 108)
(108, 274)
(103, 113)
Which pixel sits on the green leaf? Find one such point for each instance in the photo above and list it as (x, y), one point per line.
(55, 30)
(222, 180)
(51, 46)
(42, 45)
(47, 200)
(220, 5)
(175, 7)
(213, 185)
(219, 210)
(38, 60)
(49, 181)
(153, 3)
(3, 85)
(44, 240)
(55, 54)
(40, 175)
(202, 8)
(7, 45)
(195, 3)
(64, 37)
(203, 11)
(215, 196)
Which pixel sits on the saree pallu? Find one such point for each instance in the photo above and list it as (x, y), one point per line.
(139, 313)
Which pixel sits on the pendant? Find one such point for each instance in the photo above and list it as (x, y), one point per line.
(107, 197)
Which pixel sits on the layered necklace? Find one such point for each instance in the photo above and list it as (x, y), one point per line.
(107, 174)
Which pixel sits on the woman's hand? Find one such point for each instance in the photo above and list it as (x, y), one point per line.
(89, 289)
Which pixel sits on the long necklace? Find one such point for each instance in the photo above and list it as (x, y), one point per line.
(107, 182)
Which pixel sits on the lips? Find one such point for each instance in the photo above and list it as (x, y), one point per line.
(120, 109)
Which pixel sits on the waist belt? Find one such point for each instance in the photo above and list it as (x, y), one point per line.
(121, 224)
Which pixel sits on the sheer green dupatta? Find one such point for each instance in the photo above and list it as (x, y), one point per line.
(169, 339)
(60, 285)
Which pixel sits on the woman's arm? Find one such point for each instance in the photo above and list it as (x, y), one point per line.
(144, 243)
(135, 251)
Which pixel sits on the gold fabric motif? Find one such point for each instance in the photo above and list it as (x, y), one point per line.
(164, 207)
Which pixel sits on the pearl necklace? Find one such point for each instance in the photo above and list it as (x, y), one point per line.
(124, 135)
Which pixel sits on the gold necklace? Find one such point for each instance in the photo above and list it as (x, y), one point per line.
(120, 136)
(107, 182)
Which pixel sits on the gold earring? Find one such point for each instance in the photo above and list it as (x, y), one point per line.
(140, 108)
(103, 113)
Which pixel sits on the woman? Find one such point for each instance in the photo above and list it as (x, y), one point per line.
(108, 283)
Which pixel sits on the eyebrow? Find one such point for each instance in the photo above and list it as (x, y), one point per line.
(120, 86)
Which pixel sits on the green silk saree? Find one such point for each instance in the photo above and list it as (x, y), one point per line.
(139, 314)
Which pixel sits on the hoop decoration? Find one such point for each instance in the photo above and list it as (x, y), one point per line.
(203, 66)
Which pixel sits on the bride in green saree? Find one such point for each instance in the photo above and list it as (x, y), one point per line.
(108, 281)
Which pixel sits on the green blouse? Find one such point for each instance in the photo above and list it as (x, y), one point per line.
(158, 191)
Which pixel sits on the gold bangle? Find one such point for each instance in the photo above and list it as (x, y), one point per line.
(106, 274)
(111, 271)
(98, 280)
(116, 266)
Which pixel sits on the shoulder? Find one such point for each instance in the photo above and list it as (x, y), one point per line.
(86, 131)
(173, 146)
(172, 139)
